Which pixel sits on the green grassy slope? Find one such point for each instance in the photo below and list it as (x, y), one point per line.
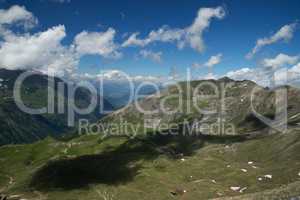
(19, 127)
(151, 167)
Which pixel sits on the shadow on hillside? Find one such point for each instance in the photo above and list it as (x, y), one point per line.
(120, 165)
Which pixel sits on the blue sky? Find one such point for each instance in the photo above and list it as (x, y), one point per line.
(233, 36)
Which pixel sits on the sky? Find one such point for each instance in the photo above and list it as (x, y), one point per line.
(149, 39)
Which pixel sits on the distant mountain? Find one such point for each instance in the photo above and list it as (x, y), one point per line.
(119, 93)
(237, 109)
(173, 166)
(19, 127)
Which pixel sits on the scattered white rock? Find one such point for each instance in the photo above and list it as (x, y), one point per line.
(260, 179)
(219, 194)
(228, 166)
(299, 174)
(198, 181)
(15, 196)
(269, 176)
(184, 191)
(244, 170)
(250, 163)
(227, 146)
(243, 189)
(235, 188)
(254, 167)
(214, 181)
(182, 159)
(11, 180)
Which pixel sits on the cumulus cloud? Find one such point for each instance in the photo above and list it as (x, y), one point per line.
(42, 52)
(154, 56)
(285, 33)
(282, 69)
(191, 35)
(17, 14)
(280, 60)
(258, 75)
(97, 43)
(209, 76)
(116, 75)
(213, 60)
(195, 31)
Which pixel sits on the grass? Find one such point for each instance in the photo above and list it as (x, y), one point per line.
(150, 167)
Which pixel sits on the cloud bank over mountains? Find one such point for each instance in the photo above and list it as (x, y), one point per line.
(45, 52)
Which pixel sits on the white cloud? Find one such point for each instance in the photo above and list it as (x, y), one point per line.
(213, 60)
(201, 23)
(163, 34)
(257, 75)
(273, 69)
(116, 75)
(97, 43)
(42, 51)
(291, 75)
(209, 76)
(280, 60)
(155, 56)
(242, 74)
(17, 15)
(285, 33)
(191, 35)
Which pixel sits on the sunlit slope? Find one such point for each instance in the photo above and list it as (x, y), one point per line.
(208, 102)
(153, 167)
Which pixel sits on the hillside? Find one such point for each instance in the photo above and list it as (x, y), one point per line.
(145, 168)
(19, 127)
(160, 165)
(235, 111)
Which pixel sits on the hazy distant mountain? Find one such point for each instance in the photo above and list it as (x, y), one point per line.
(237, 110)
(120, 93)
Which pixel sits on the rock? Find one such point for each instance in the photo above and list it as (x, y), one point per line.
(228, 166)
(260, 179)
(235, 188)
(243, 189)
(214, 181)
(254, 167)
(14, 197)
(269, 176)
(244, 170)
(250, 163)
(219, 194)
(182, 159)
(178, 191)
